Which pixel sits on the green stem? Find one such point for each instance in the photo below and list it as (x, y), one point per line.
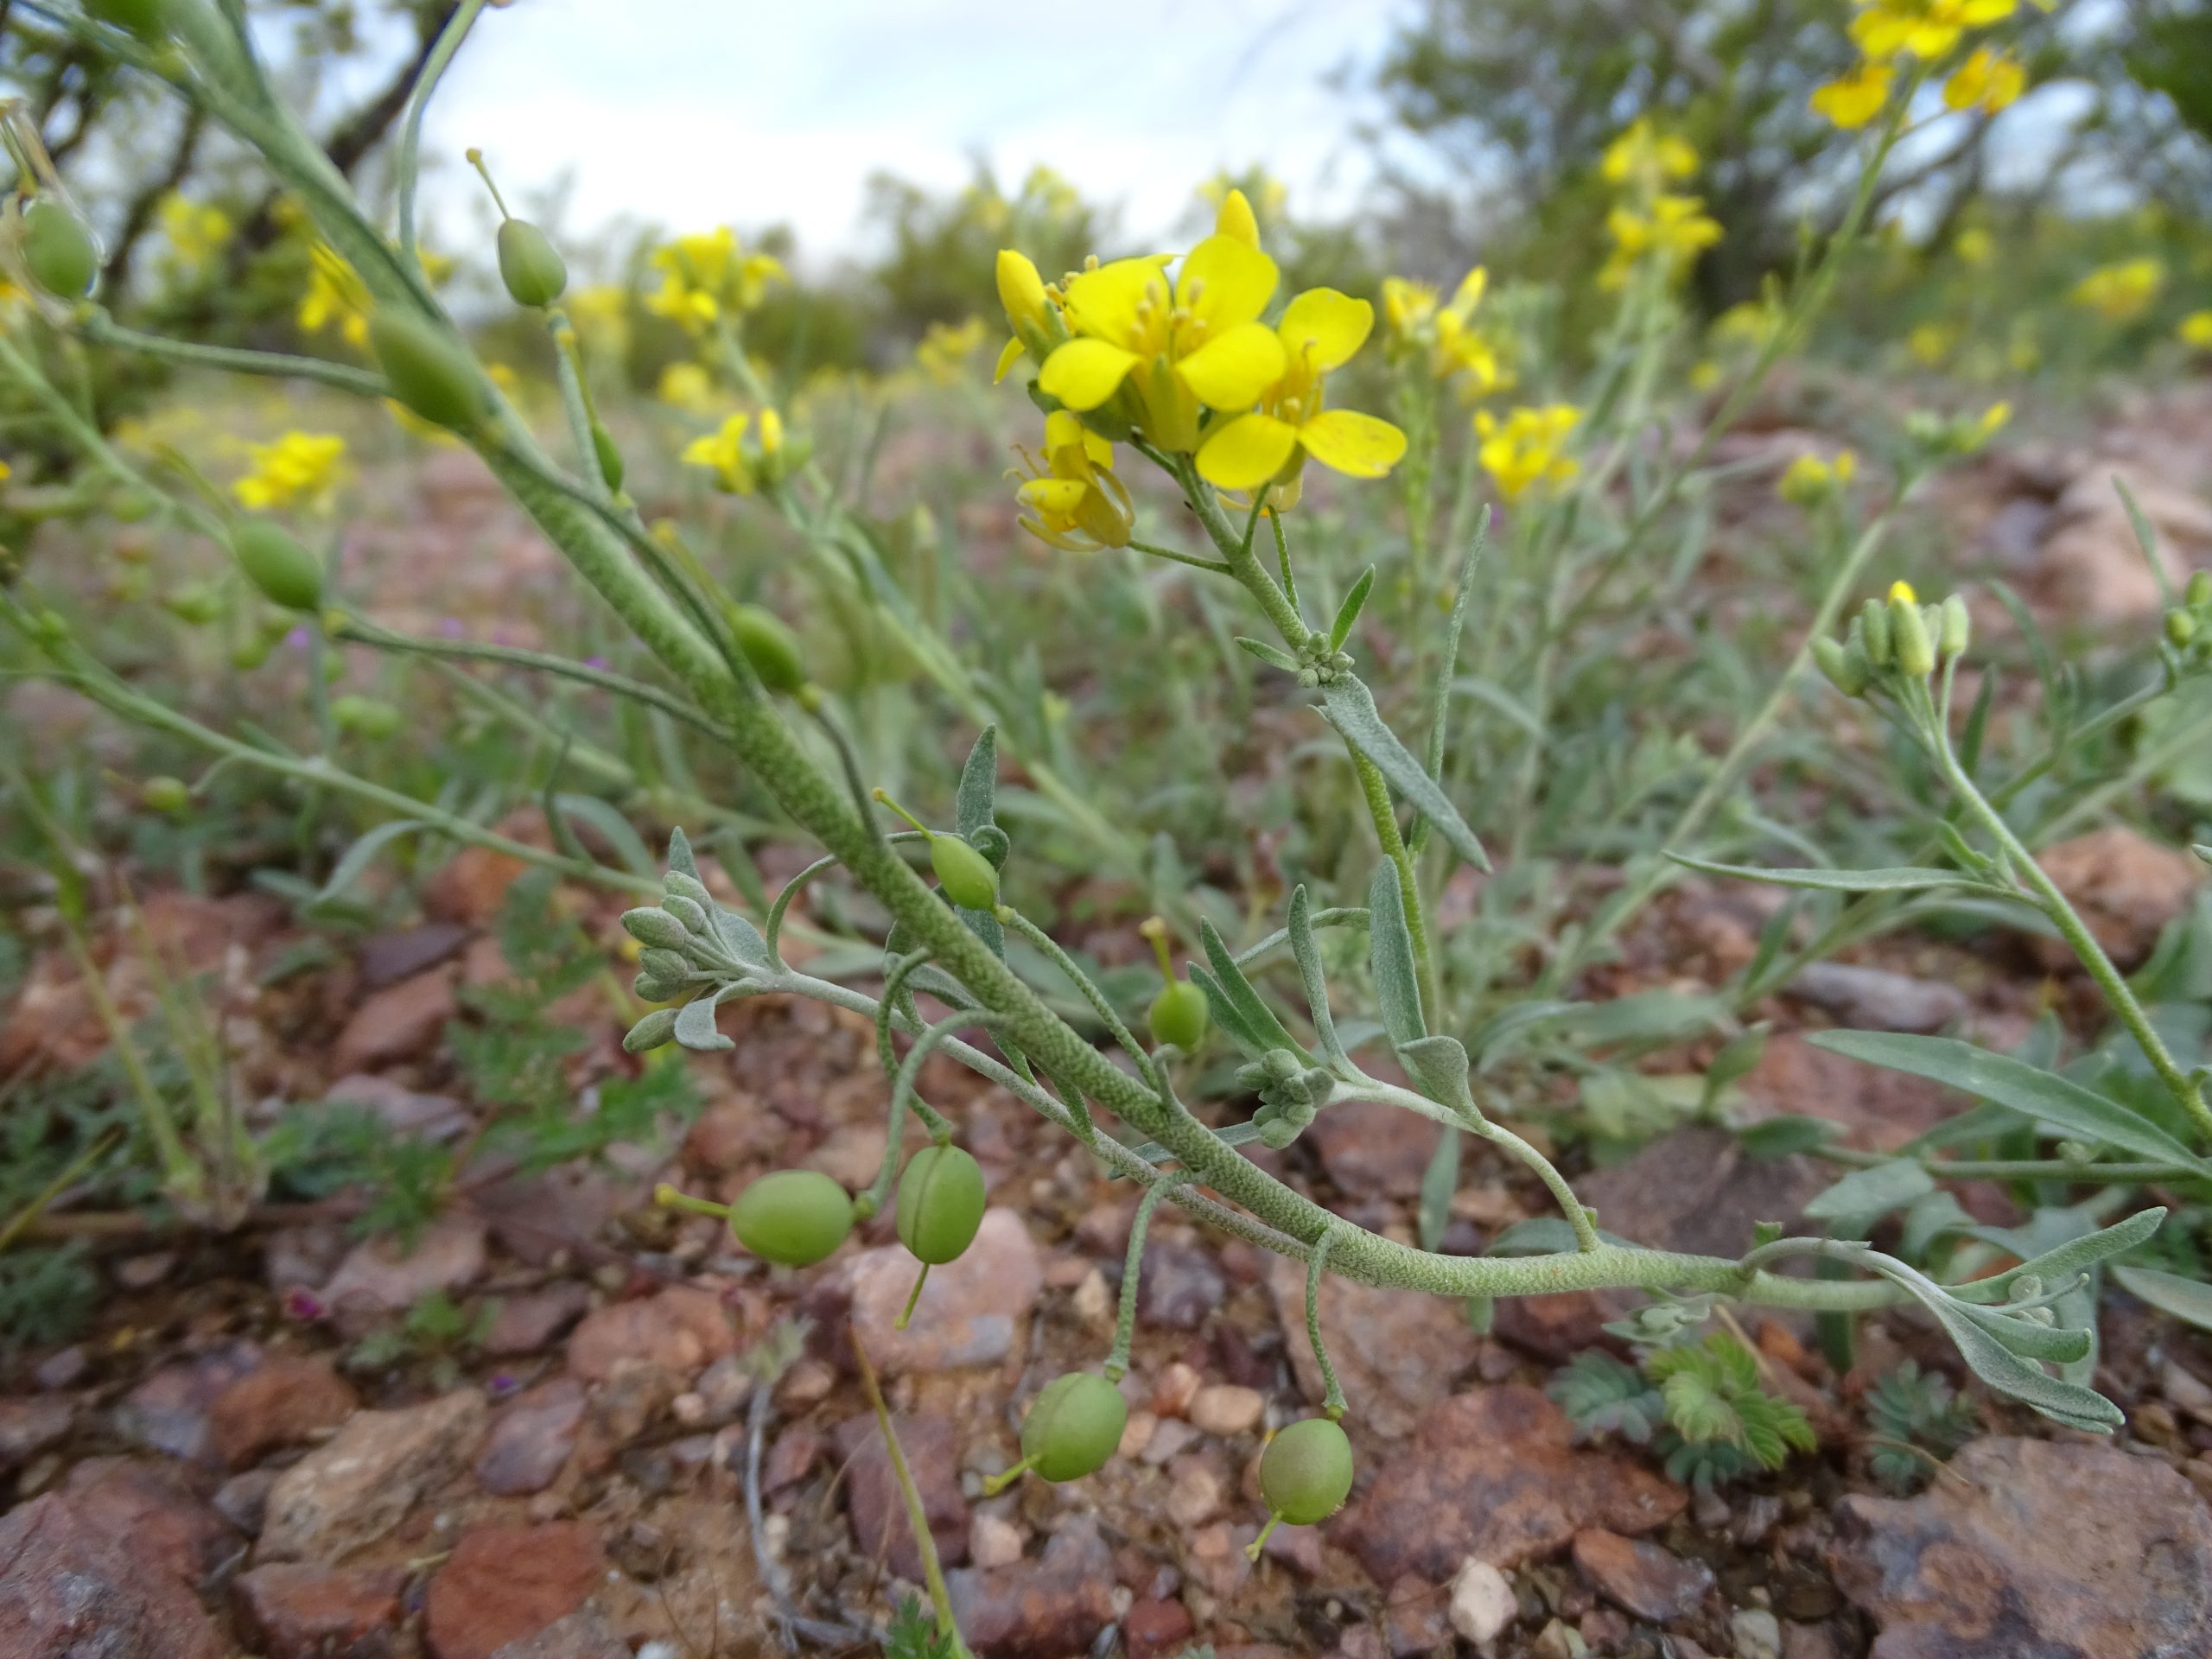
(103, 330)
(410, 135)
(1125, 1320)
(1332, 1394)
(918, 1519)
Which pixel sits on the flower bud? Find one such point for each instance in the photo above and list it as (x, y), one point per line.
(1909, 634)
(169, 795)
(1021, 291)
(429, 371)
(2181, 628)
(1957, 627)
(2198, 594)
(529, 263)
(1847, 672)
(610, 458)
(58, 251)
(1874, 623)
(772, 648)
(652, 926)
(654, 1031)
(285, 573)
(366, 717)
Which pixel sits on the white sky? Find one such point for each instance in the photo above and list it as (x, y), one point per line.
(696, 112)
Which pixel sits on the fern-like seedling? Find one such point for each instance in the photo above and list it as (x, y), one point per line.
(1919, 1419)
(1602, 1395)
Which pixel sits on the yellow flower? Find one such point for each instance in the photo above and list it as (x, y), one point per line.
(1408, 311)
(1415, 320)
(704, 277)
(946, 349)
(1320, 330)
(1745, 325)
(1523, 450)
(1032, 312)
(299, 467)
(2196, 330)
(196, 231)
(1988, 81)
(1704, 375)
(1853, 100)
(1811, 480)
(2122, 292)
(724, 453)
(1073, 501)
(1674, 228)
(1900, 593)
(1925, 28)
(1931, 342)
(1645, 158)
(1199, 342)
(1273, 194)
(1975, 246)
(335, 297)
(687, 386)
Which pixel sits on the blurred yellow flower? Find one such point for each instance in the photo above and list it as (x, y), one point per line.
(2121, 292)
(1320, 331)
(705, 276)
(1415, 320)
(335, 297)
(1645, 159)
(1853, 100)
(2196, 330)
(1931, 342)
(945, 349)
(1925, 28)
(1674, 228)
(1524, 450)
(1811, 480)
(1072, 501)
(1273, 194)
(723, 453)
(687, 386)
(1745, 325)
(1988, 81)
(1975, 246)
(196, 231)
(299, 469)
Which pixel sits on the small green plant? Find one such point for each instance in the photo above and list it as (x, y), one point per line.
(1915, 1419)
(1699, 1406)
(437, 1331)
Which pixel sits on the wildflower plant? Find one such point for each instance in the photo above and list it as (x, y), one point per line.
(1195, 371)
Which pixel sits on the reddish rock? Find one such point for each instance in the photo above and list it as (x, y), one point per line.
(167, 1523)
(282, 1403)
(733, 1132)
(1650, 1582)
(1494, 1474)
(539, 1217)
(2033, 1547)
(1044, 1606)
(1179, 1287)
(505, 1584)
(526, 1321)
(29, 1426)
(292, 1611)
(1154, 1629)
(1417, 1615)
(970, 1309)
(385, 958)
(790, 1457)
(395, 1023)
(1878, 1110)
(1398, 1352)
(168, 1412)
(2125, 886)
(679, 1330)
(531, 1439)
(584, 1634)
(74, 1588)
(359, 1485)
(379, 1279)
(879, 1508)
(470, 886)
(621, 1408)
(1373, 1150)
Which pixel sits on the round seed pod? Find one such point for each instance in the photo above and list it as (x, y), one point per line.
(430, 372)
(365, 716)
(168, 795)
(1305, 1474)
(772, 648)
(940, 1204)
(1178, 1015)
(1073, 1427)
(793, 1217)
(285, 572)
(2181, 628)
(964, 874)
(529, 263)
(58, 251)
(2198, 594)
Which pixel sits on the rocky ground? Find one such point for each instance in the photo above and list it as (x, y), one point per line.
(646, 1443)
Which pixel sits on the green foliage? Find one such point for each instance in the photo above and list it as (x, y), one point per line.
(1699, 1406)
(1603, 1395)
(912, 1633)
(437, 1330)
(47, 1295)
(1924, 1419)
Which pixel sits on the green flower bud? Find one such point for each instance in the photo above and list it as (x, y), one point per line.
(793, 1217)
(58, 251)
(1180, 1014)
(677, 885)
(940, 1204)
(663, 961)
(1073, 1427)
(651, 925)
(529, 264)
(689, 913)
(168, 795)
(429, 370)
(1916, 652)
(365, 716)
(2198, 594)
(1874, 621)
(964, 874)
(2181, 628)
(1845, 673)
(610, 459)
(1957, 627)
(1305, 1473)
(198, 604)
(285, 572)
(655, 1031)
(772, 648)
(250, 654)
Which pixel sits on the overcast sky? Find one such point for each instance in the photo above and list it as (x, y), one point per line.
(695, 113)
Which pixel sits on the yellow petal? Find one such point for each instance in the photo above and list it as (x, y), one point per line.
(1247, 452)
(1085, 374)
(1008, 358)
(1057, 497)
(1352, 443)
(1231, 370)
(1225, 282)
(1022, 290)
(1236, 219)
(1102, 303)
(1325, 327)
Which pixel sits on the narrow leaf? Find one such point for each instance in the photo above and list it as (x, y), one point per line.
(1896, 878)
(362, 854)
(1348, 612)
(1273, 656)
(1866, 1193)
(1227, 1016)
(679, 854)
(1390, 948)
(1347, 705)
(611, 827)
(1439, 1180)
(2076, 1255)
(1308, 954)
(2189, 1301)
(1257, 1016)
(979, 779)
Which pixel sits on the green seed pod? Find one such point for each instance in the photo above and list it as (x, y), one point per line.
(145, 18)
(250, 654)
(58, 250)
(1846, 673)
(652, 1032)
(529, 264)
(429, 370)
(1957, 628)
(794, 1217)
(197, 604)
(364, 717)
(1874, 619)
(2198, 594)
(1908, 635)
(1073, 1427)
(940, 1204)
(772, 648)
(1178, 1015)
(964, 874)
(1305, 1474)
(2181, 628)
(285, 572)
(168, 795)
(610, 458)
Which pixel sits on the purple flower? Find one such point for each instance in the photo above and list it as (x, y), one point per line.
(302, 1306)
(450, 626)
(297, 638)
(596, 661)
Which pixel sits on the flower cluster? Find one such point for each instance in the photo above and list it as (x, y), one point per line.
(195, 231)
(743, 464)
(299, 469)
(1887, 31)
(2121, 292)
(705, 277)
(1072, 501)
(1188, 363)
(1418, 325)
(1528, 448)
(1653, 222)
(1812, 479)
(942, 355)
